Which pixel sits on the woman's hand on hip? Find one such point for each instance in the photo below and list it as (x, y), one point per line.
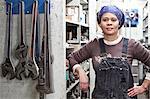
(136, 90)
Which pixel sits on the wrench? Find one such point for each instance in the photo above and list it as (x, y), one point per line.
(21, 50)
(7, 67)
(31, 68)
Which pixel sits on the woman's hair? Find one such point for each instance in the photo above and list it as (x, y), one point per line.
(114, 10)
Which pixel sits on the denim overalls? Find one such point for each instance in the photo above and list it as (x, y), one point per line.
(113, 75)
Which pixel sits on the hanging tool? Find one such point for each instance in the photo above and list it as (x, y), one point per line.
(37, 47)
(49, 57)
(21, 50)
(37, 40)
(45, 80)
(7, 67)
(31, 67)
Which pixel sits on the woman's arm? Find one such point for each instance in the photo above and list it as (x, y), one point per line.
(142, 54)
(79, 56)
(83, 53)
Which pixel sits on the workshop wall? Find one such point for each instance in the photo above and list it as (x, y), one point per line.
(25, 89)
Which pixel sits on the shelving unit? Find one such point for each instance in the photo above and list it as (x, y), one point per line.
(77, 34)
(77, 21)
(135, 71)
(146, 34)
(146, 29)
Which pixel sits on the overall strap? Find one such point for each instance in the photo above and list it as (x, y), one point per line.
(124, 54)
(125, 47)
(102, 46)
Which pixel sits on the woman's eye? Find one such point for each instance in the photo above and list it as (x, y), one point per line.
(113, 20)
(104, 20)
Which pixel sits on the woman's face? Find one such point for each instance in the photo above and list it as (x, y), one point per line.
(109, 24)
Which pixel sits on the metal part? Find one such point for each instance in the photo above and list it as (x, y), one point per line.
(31, 68)
(7, 67)
(45, 80)
(21, 50)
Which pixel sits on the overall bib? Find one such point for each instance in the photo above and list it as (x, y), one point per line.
(113, 75)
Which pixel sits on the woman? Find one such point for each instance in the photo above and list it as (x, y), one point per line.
(110, 20)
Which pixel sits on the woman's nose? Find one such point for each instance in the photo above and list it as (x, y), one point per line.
(109, 22)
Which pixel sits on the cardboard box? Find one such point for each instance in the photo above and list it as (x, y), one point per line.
(72, 13)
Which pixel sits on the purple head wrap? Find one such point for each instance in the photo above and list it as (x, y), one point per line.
(114, 10)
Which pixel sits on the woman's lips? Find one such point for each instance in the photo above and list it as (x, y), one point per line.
(109, 29)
